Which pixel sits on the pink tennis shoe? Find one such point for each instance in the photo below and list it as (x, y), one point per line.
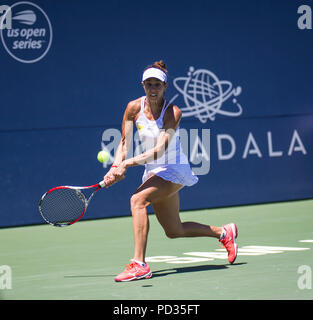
(134, 271)
(229, 241)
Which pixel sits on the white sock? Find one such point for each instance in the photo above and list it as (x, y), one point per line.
(139, 262)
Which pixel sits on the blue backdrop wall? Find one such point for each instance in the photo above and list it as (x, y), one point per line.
(241, 71)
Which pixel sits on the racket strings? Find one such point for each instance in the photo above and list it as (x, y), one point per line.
(62, 206)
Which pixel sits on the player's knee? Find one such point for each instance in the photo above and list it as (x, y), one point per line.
(138, 201)
(172, 234)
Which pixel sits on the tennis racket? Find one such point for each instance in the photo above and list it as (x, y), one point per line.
(64, 205)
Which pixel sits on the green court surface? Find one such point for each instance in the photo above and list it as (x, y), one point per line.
(80, 262)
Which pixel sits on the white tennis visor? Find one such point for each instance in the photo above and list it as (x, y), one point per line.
(154, 73)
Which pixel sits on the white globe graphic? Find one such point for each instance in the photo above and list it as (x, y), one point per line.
(204, 95)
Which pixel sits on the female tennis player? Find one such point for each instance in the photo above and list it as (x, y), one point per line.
(166, 172)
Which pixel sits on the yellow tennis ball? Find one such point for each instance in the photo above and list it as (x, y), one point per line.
(103, 156)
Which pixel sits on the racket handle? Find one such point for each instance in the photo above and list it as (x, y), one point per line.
(101, 184)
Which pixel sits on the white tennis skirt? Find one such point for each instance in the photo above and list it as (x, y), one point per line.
(176, 173)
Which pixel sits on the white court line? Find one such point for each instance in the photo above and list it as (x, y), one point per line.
(253, 251)
(189, 260)
(214, 255)
(270, 248)
(222, 254)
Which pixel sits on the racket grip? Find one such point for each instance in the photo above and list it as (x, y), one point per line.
(101, 184)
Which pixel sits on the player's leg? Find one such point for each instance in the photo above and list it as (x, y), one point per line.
(153, 190)
(167, 212)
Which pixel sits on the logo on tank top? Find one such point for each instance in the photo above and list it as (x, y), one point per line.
(29, 37)
(206, 96)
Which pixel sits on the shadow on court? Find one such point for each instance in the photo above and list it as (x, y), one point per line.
(165, 272)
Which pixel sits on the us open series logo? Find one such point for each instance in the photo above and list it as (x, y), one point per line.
(28, 35)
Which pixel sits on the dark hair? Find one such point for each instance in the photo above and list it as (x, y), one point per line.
(159, 65)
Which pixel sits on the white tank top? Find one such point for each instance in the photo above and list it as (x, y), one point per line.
(149, 131)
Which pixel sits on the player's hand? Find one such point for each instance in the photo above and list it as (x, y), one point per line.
(109, 177)
(119, 172)
(115, 174)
